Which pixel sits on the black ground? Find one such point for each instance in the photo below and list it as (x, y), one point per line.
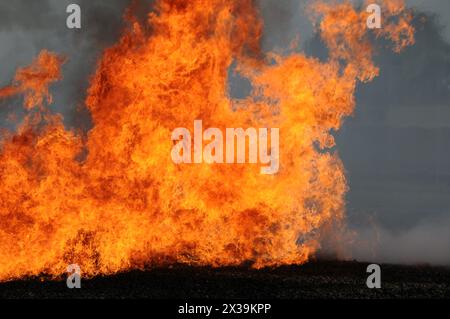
(323, 279)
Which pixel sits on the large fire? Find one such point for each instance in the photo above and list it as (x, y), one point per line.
(114, 200)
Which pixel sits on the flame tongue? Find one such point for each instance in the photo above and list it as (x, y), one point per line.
(127, 204)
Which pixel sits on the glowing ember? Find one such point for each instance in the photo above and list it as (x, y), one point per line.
(127, 204)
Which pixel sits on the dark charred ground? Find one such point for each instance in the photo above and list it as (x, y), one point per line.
(318, 279)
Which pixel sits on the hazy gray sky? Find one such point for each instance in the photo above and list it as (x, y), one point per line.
(439, 7)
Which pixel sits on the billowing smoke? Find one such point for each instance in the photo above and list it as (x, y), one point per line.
(396, 150)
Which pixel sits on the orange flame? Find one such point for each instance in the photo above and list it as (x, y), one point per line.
(33, 81)
(127, 205)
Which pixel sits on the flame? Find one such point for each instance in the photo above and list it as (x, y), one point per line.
(125, 204)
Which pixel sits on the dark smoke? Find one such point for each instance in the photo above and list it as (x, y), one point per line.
(396, 150)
